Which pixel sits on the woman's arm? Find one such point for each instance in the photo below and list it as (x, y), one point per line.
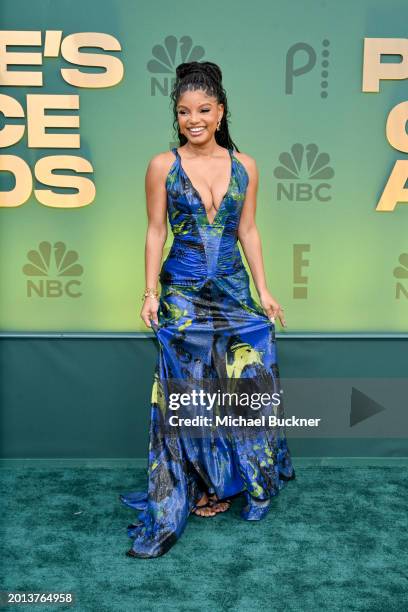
(249, 238)
(156, 235)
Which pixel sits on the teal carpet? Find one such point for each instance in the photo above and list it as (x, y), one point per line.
(335, 539)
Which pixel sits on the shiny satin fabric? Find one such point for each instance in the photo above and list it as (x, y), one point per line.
(210, 327)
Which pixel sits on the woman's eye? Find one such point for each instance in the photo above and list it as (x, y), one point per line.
(206, 110)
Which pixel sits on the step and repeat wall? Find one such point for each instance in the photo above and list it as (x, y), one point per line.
(318, 95)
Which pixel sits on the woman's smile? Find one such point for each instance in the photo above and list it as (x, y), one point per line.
(196, 131)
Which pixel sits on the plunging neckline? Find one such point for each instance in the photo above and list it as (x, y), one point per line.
(198, 193)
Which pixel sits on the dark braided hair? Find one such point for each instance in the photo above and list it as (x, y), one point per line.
(208, 77)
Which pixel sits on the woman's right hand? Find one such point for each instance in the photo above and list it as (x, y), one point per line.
(149, 310)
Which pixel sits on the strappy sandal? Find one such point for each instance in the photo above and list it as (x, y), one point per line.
(209, 504)
(213, 501)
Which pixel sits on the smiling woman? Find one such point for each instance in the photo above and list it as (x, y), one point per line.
(209, 327)
(186, 118)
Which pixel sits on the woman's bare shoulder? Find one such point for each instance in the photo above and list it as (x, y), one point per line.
(161, 163)
(248, 162)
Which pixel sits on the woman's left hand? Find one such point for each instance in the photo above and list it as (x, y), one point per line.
(271, 307)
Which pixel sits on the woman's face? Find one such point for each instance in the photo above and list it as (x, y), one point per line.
(198, 115)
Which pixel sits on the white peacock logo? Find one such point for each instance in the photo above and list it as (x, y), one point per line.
(165, 56)
(304, 162)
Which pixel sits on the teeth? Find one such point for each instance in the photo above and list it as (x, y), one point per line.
(196, 129)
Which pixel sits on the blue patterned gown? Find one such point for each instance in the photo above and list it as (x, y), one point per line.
(209, 328)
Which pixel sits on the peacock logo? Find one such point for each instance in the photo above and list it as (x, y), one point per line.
(165, 59)
(304, 174)
(401, 272)
(51, 269)
(304, 59)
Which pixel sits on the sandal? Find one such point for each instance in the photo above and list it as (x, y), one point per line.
(209, 505)
(214, 501)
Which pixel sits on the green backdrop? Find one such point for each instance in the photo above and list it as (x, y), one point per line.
(349, 282)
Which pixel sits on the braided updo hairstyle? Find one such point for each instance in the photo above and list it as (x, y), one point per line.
(208, 77)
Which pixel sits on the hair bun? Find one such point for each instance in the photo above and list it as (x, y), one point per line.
(185, 68)
(208, 68)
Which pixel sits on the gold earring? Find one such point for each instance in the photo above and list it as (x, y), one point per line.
(218, 124)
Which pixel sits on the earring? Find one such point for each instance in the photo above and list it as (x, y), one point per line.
(218, 124)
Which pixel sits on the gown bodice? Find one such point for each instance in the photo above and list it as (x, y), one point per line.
(204, 250)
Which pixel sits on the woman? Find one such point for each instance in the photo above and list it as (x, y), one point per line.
(209, 328)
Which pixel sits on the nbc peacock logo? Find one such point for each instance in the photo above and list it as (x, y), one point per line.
(165, 59)
(303, 175)
(401, 273)
(52, 271)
